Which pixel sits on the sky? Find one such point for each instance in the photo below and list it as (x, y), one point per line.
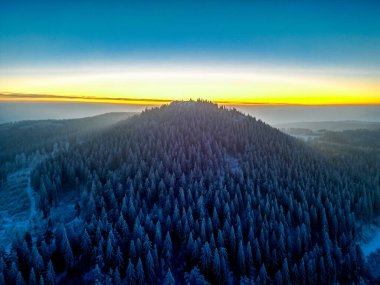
(153, 52)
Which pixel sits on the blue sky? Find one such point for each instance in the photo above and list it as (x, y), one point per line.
(342, 33)
(299, 51)
(241, 52)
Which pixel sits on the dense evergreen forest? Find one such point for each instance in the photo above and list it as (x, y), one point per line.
(23, 138)
(356, 153)
(193, 193)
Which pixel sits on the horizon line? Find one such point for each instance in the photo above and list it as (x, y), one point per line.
(51, 98)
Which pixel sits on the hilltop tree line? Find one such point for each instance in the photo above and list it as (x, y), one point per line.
(22, 141)
(193, 193)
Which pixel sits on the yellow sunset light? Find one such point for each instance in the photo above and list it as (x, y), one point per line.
(153, 86)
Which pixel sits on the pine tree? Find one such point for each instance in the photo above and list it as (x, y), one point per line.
(302, 271)
(169, 279)
(195, 277)
(206, 257)
(130, 276)
(241, 258)
(285, 272)
(190, 247)
(244, 280)
(278, 278)
(140, 273)
(263, 275)
(257, 253)
(12, 273)
(119, 260)
(36, 260)
(50, 274)
(109, 251)
(85, 243)
(32, 277)
(19, 279)
(66, 249)
(216, 265)
(132, 251)
(150, 268)
(168, 248)
(116, 279)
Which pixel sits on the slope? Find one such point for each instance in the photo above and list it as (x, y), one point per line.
(28, 136)
(197, 193)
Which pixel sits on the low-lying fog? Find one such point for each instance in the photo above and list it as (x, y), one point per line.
(11, 111)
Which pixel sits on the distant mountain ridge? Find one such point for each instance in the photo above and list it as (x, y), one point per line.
(28, 136)
(330, 125)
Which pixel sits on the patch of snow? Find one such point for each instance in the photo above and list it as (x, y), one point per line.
(306, 138)
(32, 199)
(373, 244)
(233, 163)
(18, 211)
(372, 265)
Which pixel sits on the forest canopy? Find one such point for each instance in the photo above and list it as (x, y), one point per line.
(193, 193)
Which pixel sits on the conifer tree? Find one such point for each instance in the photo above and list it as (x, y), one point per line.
(169, 279)
(50, 274)
(130, 276)
(140, 273)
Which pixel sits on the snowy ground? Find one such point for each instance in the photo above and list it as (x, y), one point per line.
(370, 245)
(233, 163)
(17, 206)
(32, 199)
(371, 240)
(306, 138)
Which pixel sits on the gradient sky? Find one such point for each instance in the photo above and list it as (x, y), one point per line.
(291, 52)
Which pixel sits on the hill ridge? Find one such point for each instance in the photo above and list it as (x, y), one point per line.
(203, 194)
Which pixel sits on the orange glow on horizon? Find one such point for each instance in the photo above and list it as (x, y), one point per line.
(153, 102)
(83, 100)
(227, 86)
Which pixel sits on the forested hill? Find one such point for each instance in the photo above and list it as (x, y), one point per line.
(21, 142)
(193, 193)
(28, 136)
